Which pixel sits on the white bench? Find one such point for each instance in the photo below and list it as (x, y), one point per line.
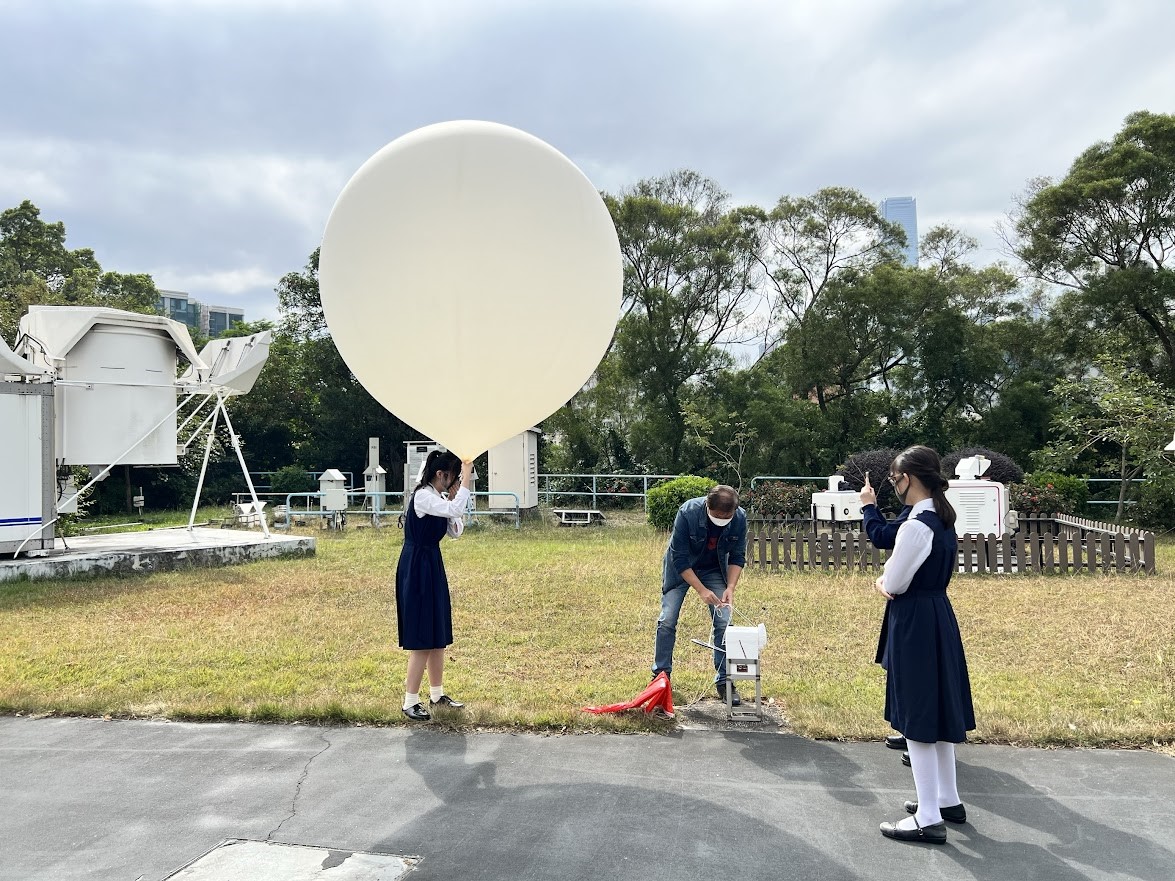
(578, 517)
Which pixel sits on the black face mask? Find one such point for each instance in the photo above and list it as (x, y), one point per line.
(901, 494)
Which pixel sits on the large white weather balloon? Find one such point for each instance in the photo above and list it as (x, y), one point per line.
(471, 278)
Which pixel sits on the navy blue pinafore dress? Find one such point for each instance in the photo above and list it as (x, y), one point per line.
(424, 615)
(927, 689)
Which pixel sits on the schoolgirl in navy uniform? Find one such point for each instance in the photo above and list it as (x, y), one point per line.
(928, 692)
(424, 614)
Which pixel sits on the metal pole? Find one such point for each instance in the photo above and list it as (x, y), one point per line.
(244, 468)
(204, 466)
(199, 407)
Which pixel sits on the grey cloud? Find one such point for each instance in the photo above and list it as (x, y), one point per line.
(209, 139)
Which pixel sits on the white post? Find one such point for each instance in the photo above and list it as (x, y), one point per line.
(204, 467)
(244, 468)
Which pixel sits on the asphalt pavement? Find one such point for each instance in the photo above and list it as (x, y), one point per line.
(86, 798)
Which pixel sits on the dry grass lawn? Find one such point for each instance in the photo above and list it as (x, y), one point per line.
(548, 620)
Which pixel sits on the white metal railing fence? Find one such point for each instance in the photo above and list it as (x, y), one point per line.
(377, 511)
(589, 486)
(620, 487)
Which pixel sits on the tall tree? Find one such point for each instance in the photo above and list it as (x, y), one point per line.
(1118, 419)
(1106, 232)
(810, 241)
(37, 269)
(688, 288)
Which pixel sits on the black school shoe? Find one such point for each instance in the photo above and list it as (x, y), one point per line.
(934, 834)
(445, 701)
(906, 759)
(956, 814)
(895, 741)
(417, 713)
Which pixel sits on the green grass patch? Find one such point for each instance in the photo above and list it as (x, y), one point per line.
(548, 620)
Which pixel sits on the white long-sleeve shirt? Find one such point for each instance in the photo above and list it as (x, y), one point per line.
(911, 548)
(428, 501)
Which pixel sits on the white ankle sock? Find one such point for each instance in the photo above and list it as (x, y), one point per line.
(411, 700)
(435, 692)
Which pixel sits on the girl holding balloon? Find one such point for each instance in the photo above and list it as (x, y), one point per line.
(424, 616)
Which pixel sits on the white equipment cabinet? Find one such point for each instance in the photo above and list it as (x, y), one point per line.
(374, 478)
(333, 486)
(837, 505)
(417, 452)
(27, 474)
(743, 645)
(514, 468)
(981, 506)
(116, 379)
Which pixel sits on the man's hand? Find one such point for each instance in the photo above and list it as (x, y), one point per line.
(712, 599)
(728, 596)
(868, 495)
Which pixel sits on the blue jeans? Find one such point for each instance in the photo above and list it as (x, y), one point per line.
(671, 602)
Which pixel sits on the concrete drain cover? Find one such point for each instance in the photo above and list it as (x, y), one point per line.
(238, 859)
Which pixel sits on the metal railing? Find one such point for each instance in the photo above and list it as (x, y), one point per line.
(377, 511)
(1115, 480)
(595, 493)
(314, 475)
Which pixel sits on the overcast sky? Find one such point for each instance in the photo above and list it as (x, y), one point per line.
(205, 141)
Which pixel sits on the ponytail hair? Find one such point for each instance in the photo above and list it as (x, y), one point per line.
(923, 463)
(438, 460)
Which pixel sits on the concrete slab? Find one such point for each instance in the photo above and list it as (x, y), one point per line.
(156, 550)
(85, 799)
(269, 861)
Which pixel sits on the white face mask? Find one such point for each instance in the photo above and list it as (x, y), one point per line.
(719, 521)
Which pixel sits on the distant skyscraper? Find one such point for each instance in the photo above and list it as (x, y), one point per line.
(903, 210)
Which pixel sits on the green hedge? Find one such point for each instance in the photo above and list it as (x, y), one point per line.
(292, 479)
(665, 498)
(774, 498)
(1074, 491)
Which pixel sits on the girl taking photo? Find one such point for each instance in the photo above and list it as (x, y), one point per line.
(927, 690)
(424, 615)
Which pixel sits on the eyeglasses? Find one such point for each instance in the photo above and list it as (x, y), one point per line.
(894, 478)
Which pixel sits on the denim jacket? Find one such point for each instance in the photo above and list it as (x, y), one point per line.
(688, 542)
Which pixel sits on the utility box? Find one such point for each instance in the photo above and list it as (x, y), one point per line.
(514, 467)
(981, 506)
(333, 486)
(374, 477)
(116, 374)
(417, 453)
(837, 505)
(27, 471)
(743, 645)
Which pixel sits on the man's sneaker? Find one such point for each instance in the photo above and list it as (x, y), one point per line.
(735, 700)
(445, 701)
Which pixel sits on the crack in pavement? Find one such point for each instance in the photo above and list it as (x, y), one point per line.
(298, 788)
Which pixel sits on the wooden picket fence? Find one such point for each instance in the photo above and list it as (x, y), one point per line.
(1042, 544)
